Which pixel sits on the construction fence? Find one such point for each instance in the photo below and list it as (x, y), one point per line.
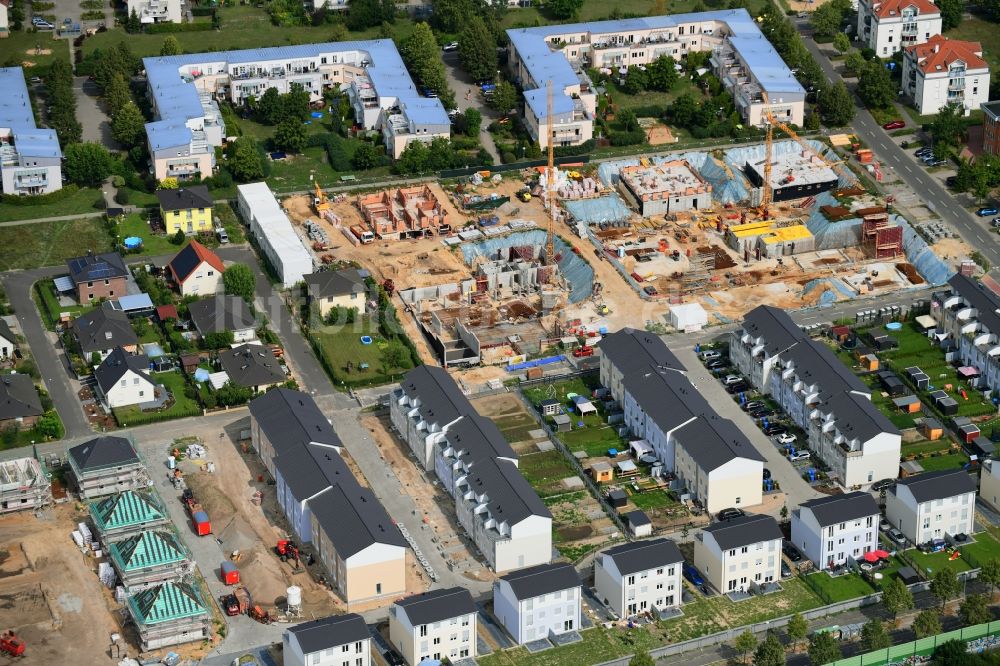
(980, 638)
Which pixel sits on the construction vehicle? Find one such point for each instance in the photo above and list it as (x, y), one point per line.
(320, 202)
(363, 235)
(11, 645)
(236, 603)
(288, 551)
(257, 613)
(199, 517)
(583, 352)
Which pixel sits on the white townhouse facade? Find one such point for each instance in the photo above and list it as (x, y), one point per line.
(942, 72)
(989, 483)
(968, 314)
(933, 504)
(709, 456)
(337, 640)
(834, 530)
(435, 625)
(639, 577)
(821, 394)
(887, 26)
(186, 89)
(157, 11)
(737, 554)
(744, 60)
(30, 157)
(494, 503)
(538, 602)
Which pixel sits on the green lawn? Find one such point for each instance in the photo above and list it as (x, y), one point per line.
(700, 619)
(182, 406)
(598, 645)
(841, 588)
(595, 10)
(48, 305)
(978, 30)
(651, 499)
(50, 243)
(985, 548)
(12, 439)
(545, 471)
(926, 446)
(595, 437)
(341, 345)
(21, 46)
(794, 597)
(515, 427)
(938, 463)
(78, 203)
(136, 224)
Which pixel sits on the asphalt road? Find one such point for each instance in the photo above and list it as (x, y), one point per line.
(974, 230)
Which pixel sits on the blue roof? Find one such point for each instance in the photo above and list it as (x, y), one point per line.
(15, 113)
(135, 302)
(545, 64)
(536, 99)
(177, 98)
(424, 111)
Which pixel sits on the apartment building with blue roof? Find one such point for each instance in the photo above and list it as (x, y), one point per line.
(186, 90)
(742, 58)
(30, 157)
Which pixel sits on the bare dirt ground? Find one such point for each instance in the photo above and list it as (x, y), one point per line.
(51, 595)
(952, 249)
(434, 503)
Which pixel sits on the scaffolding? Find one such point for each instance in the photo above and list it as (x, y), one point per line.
(880, 237)
(23, 485)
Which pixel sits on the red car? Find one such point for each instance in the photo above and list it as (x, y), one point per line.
(894, 125)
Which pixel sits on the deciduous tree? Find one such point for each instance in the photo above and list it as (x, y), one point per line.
(244, 160)
(239, 280)
(797, 628)
(87, 163)
(170, 46)
(504, 97)
(951, 13)
(365, 157)
(875, 87)
(927, 623)
(896, 597)
(769, 653)
(823, 648)
(745, 643)
(841, 42)
(836, 105)
(975, 609)
(290, 135)
(477, 50)
(990, 574)
(563, 9)
(117, 94)
(945, 585)
(874, 636)
(128, 125)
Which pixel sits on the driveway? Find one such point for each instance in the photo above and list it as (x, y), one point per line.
(90, 113)
(462, 84)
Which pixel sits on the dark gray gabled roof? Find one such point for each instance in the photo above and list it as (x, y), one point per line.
(774, 326)
(93, 267)
(441, 401)
(816, 364)
(18, 397)
(714, 441)
(931, 486)
(632, 350)
(437, 605)
(309, 470)
(292, 419)
(744, 531)
(353, 519)
(6, 333)
(644, 555)
(842, 508)
(510, 498)
(117, 363)
(184, 198)
(103, 451)
(251, 365)
(667, 396)
(104, 328)
(479, 437)
(216, 314)
(981, 298)
(542, 579)
(856, 417)
(330, 632)
(336, 283)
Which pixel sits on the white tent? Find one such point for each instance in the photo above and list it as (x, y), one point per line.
(640, 447)
(688, 317)
(584, 405)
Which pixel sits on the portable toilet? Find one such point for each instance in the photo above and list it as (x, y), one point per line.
(230, 574)
(201, 523)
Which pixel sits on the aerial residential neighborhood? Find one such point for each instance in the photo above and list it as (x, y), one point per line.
(525, 333)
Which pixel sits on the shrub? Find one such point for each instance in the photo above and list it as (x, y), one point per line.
(40, 199)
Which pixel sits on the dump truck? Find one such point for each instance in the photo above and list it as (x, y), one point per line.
(236, 603)
(199, 517)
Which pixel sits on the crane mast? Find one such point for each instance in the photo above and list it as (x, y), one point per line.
(550, 185)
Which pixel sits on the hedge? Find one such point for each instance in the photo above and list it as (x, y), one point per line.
(202, 11)
(160, 28)
(40, 199)
(155, 417)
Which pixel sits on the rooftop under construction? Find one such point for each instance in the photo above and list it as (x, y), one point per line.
(23, 485)
(794, 174)
(665, 188)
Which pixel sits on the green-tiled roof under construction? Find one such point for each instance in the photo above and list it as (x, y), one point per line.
(125, 509)
(164, 603)
(149, 549)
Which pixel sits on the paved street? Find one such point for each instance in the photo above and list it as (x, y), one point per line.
(96, 124)
(461, 84)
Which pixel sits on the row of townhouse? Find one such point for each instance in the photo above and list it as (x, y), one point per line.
(820, 394)
(743, 59)
(967, 314)
(349, 530)
(711, 458)
(30, 157)
(185, 91)
(494, 503)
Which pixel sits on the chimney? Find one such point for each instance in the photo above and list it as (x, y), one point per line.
(937, 47)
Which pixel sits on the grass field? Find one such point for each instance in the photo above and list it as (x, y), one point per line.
(930, 563)
(598, 645)
(841, 588)
(21, 46)
(595, 10)
(926, 446)
(78, 203)
(651, 499)
(48, 243)
(595, 436)
(48, 305)
(341, 345)
(152, 244)
(545, 472)
(978, 30)
(938, 463)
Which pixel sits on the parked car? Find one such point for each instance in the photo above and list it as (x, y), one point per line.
(884, 525)
(791, 552)
(786, 571)
(884, 484)
(762, 413)
(693, 576)
(894, 125)
(732, 379)
(710, 354)
(896, 536)
(937, 163)
(799, 455)
(987, 211)
(995, 222)
(221, 234)
(751, 405)
(926, 150)
(775, 429)
(786, 438)
(393, 658)
(730, 513)
(737, 388)
(450, 46)
(717, 363)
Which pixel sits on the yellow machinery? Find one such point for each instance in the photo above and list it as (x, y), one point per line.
(320, 202)
(550, 185)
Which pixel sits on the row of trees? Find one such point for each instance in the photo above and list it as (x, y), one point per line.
(420, 157)
(659, 75)
(62, 103)
(362, 14)
(273, 107)
(422, 56)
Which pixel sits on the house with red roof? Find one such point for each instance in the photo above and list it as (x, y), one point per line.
(946, 71)
(195, 270)
(888, 26)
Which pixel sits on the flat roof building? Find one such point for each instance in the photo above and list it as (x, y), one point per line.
(794, 174)
(273, 230)
(670, 187)
(30, 157)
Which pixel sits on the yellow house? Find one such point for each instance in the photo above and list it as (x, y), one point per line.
(188, 209)
(345, 288)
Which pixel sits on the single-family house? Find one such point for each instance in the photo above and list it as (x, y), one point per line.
(123, 379)
(150, 558)
(106, 465)
(8, 341)
(97, 276)
(126, 513)
(103, 329)
(435, 625)
(20, 405)
(738, 554)
(329, 641)
(538, 602)
(346, 289)
(195, 270)
(252, 366)
(168, 614)
(833, 530)
(933, 504)
(222, 313)
(639, 577)
(187, 209)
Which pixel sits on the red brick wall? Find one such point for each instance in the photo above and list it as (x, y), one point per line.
(92, 291)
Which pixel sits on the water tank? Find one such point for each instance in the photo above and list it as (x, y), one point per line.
(294, 595)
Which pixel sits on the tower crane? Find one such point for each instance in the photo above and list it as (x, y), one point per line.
(550, 188)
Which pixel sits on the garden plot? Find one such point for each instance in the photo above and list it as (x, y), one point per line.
(579, 524)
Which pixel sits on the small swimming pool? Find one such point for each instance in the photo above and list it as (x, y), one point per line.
(366, 339)
(153, 349)
(894, 326)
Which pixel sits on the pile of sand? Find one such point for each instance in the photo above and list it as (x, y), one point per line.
(213, 500)
(261, 572)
